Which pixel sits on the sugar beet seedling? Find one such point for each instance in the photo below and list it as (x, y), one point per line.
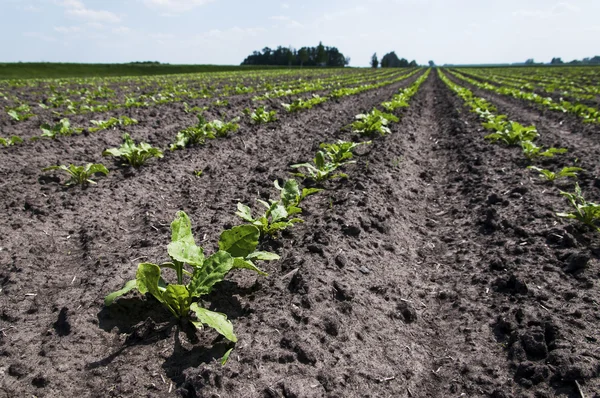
(237, 250)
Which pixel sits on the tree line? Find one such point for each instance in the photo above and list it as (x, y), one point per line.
(391, 60)
(306, 56)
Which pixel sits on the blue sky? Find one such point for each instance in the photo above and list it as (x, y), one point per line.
(225, 31)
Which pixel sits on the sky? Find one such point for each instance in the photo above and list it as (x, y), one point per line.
(226, 31)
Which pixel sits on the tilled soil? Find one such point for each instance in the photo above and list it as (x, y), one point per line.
(438, 269)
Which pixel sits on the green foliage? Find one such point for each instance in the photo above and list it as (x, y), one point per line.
(132, 154)
(62, 128)
(278, 214)
(194, 135)
(510, 133)
(585, 212)
(222, 129)
(193, 109)
(401, 100)
(112, 122)
(341, 152)
(550, 176)
(236, 251)
(20, 113)
(13, 140)
(300, 104)
(374, 122)
(260, 115)
(80, 174)
(220, 102)
(198, 134)
(321, 170)
(532, 151)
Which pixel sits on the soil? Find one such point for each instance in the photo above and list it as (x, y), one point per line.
(438, 269)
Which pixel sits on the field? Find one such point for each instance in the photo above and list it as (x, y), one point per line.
(430, 262)
(44, 70)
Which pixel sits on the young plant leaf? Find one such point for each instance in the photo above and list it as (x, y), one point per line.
(215, 320)
(239, 241)
(108, 300)
(213, 271)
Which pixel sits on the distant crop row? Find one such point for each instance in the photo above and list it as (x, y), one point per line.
(512, 133)
(196, 274)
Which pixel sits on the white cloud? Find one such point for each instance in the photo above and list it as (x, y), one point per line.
(172, 7)
(233, 34)
(95, 25)
(40, 36)
(287, 21)
(76, 9)
(285, 6)
(121, 30)
(556, 10)
(32, 8)
(67, 29)
(162, 36)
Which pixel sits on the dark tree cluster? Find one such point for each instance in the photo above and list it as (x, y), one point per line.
(306, 56)
(391, 60)
(586, 61)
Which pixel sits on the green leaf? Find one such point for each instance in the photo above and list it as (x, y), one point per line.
(244, 212)
(213, 271)
(96, 168)
(226, 357)
(178, 300)
(290, 192)
(147, 278)
(183, 247)
(265, 256)
(239, 241)
(215, 320)
(240, 263)
(309, 191)
(278, 213)
(108, 300)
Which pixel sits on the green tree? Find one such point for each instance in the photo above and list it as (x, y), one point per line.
(303, 55)
(431, 64)
(321, 56)
(374, 61)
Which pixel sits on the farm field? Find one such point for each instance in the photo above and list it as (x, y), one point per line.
(430, 262)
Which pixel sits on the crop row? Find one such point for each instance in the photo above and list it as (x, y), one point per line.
(556, 87)
(61, 104)
(587, 113)
(579, 77)
(194, 273)
(64, 128)
(512, 133)
(194, 86)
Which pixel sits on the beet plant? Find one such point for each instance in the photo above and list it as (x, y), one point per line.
(374, 122)
(321, 170)
(301, 104)
(587, 213)
(341, 152)
(112, 122)
(62, 128)
(80, 175)
(532, 151)
(196, 274)
(551, 176)
(261, 115)
(509, 133)
(134, 154)
(278, 213)
(13, 140)
(20, 113)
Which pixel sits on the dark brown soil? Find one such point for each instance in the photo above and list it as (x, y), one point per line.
(439, 269)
